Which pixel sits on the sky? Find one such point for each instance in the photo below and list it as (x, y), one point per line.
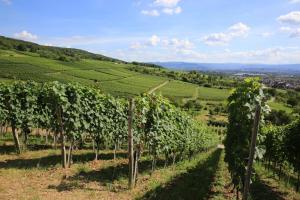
(218, 31)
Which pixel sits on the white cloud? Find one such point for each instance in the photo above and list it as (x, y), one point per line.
(136, 45)
(153, 13)
(293, 32)
(7, 2)
(163, 43)
(290, 18)
(285, 29)
(25, 35)
(168, 7)
(173, 43)
(274, 55)
(154, 40)
(293, 19)
(177, 43)
(168, 11)
(294, 1)
(80, 41)
(172, 11)
(166, 3)
(216, 39)
(223, 38)
(238, 30)
(266, 34)
(186, 54)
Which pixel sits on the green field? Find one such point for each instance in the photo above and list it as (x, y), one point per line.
(178, 89)
(213, 94)
(112, 77)
(279, 106)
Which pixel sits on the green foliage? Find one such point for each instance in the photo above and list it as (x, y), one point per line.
(195, 77)
(21, 47)
(147, 65)
(75, 111)
(274, 144)
(110, 77)
(293, 101)
(18, 104)
(193, 104)
(271, 92)
(282, 145)
(292, 145)
(278, 117)
(166, 130)
(241, 106)
(49, 51)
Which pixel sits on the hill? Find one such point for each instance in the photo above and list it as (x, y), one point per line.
(20, 60)
(58, 53)
(234, 67)
(113, 76)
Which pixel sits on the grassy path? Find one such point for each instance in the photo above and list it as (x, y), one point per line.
(188, 181)
(221, 189)
(157, 87)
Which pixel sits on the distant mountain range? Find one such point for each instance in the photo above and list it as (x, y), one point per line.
(233, 67)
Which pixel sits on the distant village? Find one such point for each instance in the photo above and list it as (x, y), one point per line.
(275, 81)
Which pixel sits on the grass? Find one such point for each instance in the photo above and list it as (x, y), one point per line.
(130, 86)
(220, 189)
(267, 186)
(178, 90)
(279, 106)
(38, 175)
(213, 94)
(110, 77)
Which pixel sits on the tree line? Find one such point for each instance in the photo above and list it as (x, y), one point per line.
(196, 77)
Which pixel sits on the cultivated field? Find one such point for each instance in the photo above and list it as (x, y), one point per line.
(111, 77)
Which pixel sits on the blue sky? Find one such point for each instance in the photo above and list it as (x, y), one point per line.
(256, 31)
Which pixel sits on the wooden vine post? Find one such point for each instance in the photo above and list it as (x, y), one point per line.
(131, 181)
(62, 138)
(252, 152)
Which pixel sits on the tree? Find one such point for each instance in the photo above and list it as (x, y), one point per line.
(278, 118)
(21, 47)
(270, 92)
(293, 101)
(63, 58)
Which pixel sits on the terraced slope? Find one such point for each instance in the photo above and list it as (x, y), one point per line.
(110, 76)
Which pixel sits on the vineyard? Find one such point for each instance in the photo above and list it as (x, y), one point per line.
(142, 147)
(76, 116)
(249, 139)
(283, 151)
(76, 125)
